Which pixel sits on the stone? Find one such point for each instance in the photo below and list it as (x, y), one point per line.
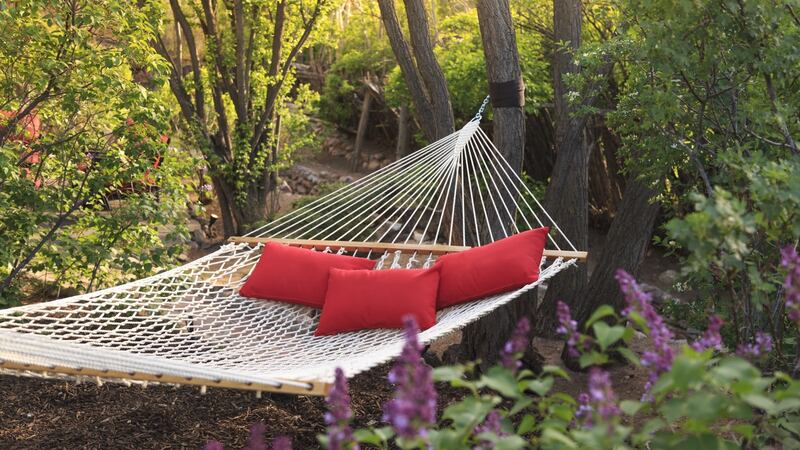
(668, 277)
(373, 165)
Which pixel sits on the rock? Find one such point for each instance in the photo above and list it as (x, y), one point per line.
(346, 179)
(659, 296)
(199, 236)
(373, 165)
(285, 188)
(668, 277)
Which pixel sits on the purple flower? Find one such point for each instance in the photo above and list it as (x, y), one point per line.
(584, 412)
(791, 260)
(256, 439)
(602, 395)
(491, 424)
(711, 338)
(213, 445)
(282, 443)
(569, 328)
(659, 358)
(413, 409)
(340, 435)
(600, 403)
(509, 356)
(759, 348)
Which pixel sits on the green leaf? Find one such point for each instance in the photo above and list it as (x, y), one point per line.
(607, 335)
(592, 359)
(541, 386)
(527, 424)
(469, 412)
(448, 373)
(551, 435)
(630, 407)
(556, 370)
(512, 442)
(520, 405)
(600, 313)
(501, 380)
(628, 354)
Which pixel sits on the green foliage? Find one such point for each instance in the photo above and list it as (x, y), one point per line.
(100, 136)
(705, 400)
(707, 113)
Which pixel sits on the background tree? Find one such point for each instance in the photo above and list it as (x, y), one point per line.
(76, 131)
(423, 75)
(483, 339)
(567, 198)
(236, 96)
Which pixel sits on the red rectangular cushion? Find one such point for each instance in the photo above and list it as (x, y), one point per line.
(368, 299)
(296, 275)
(494, 268)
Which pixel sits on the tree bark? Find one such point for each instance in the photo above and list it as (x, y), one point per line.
(484, 338)
(429, 69)
(431, 102)
(567, 198)
(403, 133)
(625, 248)
(363, 121)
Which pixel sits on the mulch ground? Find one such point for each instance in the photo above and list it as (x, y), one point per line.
(47, 414)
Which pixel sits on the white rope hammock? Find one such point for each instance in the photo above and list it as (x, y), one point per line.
(188, 325)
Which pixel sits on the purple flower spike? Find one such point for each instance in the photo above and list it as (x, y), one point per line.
(340, 435)
(282, 443)
(213, 445)
(791, 260)
(569, 328)
(659, 358)
(602, 394)
(491, 424)
(256, 440)
(413, 409)
(584, 412)
(711, 338)
(509, 356)
(761, 347)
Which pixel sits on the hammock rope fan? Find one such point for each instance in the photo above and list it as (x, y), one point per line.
(188, 325)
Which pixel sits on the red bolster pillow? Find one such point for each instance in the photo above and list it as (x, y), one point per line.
(501, 266)
(296, 275)
(368, 299)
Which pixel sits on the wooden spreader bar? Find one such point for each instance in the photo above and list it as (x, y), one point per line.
(317, 388)
(380, 247)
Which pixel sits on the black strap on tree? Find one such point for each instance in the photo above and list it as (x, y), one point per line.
(507, 94)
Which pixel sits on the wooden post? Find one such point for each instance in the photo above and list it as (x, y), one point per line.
(362, 127)
(403, 135)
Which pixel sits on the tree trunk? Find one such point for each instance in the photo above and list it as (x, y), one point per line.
(429, 69)
(625, 248)
(363, 121)
(567, 198)
(403, 133)
(424, 79)
(485, 338)
(409, 70)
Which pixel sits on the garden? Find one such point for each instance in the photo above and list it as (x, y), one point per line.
(343, 224)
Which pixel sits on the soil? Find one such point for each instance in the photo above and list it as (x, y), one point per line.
(45, 414)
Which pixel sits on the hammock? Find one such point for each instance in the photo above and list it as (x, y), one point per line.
(188, 325)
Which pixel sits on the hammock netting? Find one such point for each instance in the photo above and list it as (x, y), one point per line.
(189, 325)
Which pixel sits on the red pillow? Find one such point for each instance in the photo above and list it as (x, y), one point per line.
(296, 275)
(501, 266)
(367, 299)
